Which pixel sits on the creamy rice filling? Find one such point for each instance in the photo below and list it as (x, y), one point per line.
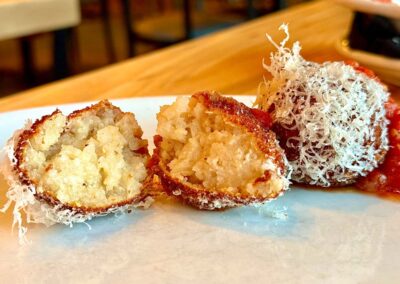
(200, 147)
(87, 161)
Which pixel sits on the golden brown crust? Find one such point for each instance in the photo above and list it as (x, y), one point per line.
(49, 198)
(198, 196)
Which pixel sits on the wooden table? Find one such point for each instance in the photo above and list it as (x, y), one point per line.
(228, 61)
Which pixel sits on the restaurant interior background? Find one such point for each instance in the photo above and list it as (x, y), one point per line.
(113, 30)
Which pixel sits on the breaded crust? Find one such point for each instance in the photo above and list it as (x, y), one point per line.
(245, 118)
(49, 198)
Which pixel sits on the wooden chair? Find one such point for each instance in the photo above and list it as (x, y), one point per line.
(104, 8)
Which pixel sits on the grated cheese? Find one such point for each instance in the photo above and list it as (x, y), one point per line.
(335, 109)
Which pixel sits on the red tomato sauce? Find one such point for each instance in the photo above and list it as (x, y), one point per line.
(386, 178)
(263, 117)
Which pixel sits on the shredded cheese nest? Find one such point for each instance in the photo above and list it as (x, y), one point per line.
(338, 113)
(35, 211)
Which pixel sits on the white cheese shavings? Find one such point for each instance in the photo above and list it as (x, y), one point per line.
(338, 112)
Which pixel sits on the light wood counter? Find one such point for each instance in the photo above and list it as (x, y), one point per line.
(227, 61)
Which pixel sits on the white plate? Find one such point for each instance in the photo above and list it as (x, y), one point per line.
(391, 10)
(387, 68)
(303, 237)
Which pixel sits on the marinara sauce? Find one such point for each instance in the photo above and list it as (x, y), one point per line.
(386, 178)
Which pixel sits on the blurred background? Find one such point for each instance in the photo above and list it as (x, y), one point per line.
(46, 40)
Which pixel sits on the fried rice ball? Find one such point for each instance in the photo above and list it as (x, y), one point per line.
(213, 153)
(65, 169)
(329, 118)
